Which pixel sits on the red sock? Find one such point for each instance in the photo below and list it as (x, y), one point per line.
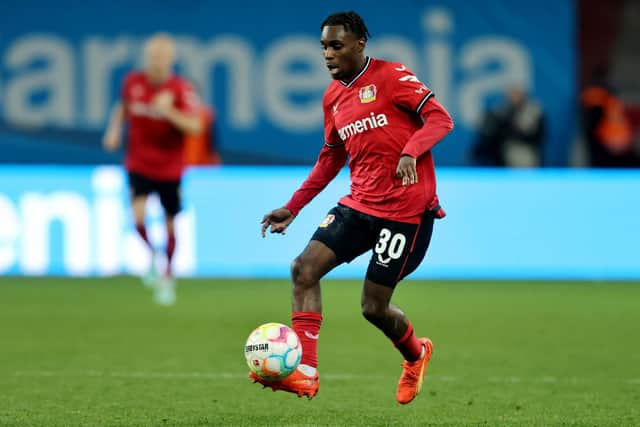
(306, 324)
(409, 345)
(142, 231)
(171, 248)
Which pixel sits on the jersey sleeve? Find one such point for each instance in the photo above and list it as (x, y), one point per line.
(413, 96)
(408, 92)
(332, 158)
(437, 125)
(331, 137)
(125, 93)
(329, 163)
(187, 100)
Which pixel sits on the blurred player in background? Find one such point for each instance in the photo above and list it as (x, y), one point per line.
(160, 108)
(385, 121)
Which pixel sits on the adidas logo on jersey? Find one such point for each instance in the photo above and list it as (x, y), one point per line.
(363, 125)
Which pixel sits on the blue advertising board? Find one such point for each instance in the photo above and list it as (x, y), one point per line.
(260, 65)
(501, 224)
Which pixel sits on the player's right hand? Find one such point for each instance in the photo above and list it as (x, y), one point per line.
(278, 219)
(111, 141)
(406, 170)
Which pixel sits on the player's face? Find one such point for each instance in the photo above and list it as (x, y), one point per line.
(343, 52)
(159, 59)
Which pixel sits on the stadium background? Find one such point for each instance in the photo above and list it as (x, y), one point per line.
(264, 74)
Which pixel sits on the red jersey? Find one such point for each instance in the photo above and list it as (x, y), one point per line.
(155, 146)
(383, 113)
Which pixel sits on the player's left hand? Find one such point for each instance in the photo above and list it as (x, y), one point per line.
(407, 170)
(162, 103)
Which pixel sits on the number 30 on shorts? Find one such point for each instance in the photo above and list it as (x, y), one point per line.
(389, 246)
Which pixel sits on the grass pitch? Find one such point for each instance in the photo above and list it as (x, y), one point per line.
(76, 352)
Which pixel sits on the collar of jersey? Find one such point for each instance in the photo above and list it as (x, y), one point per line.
(364, 69)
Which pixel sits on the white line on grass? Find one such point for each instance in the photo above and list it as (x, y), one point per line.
(167, 375)
(331, 376)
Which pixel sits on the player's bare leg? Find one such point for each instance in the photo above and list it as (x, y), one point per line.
(378, 310)
(138, 207)
(166, 288)
(306, 271)
(171, 242)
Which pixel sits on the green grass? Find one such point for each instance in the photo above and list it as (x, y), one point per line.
(77, 352)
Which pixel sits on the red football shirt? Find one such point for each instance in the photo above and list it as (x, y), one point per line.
(155, 146)
(384, 112)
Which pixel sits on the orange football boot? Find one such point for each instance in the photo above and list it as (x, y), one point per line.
(297, 383)
(412, 376)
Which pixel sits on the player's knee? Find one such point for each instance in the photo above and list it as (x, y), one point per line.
(373, 311)
(302, 274)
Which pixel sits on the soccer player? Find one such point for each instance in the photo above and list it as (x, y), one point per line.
(385, 121)
(159, 108)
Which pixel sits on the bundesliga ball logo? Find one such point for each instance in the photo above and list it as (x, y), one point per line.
(273, 351)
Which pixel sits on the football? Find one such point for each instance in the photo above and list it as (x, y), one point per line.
(273, 351)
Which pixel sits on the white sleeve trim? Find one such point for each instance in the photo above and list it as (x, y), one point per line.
(333, 145)
(424, 100)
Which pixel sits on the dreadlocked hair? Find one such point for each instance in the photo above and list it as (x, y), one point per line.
(351, 21)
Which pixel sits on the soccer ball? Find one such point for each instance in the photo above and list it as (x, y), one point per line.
(273, 351)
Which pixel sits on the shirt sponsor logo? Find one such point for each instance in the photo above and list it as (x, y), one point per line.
(367, 94)
(362, 125)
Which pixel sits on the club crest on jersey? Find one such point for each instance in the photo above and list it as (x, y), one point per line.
(328, 220)
(367, 94)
